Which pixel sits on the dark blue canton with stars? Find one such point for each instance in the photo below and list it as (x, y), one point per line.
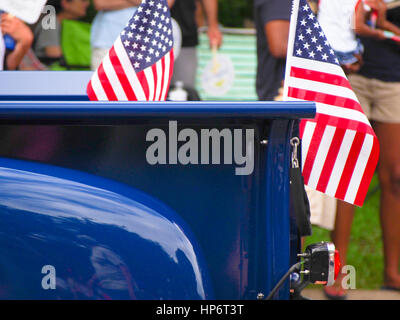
(148, 35)
(310, 41)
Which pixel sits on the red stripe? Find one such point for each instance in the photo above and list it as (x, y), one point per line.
(143, 81)
(368, 173)
(123, 79)
(155, 77)
(321, 97)
(317, 76)
(357, 4)
(313, 149)
(90, 92)
(105, 83)
(330, 159)
(162, 78)
(344, 123)
(350, 165)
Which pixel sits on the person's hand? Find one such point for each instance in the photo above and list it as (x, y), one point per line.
(22, 35)
(359, 58)
(373, 4)
(214, 37)
(17, 29)
(354, 67)
(380, 35)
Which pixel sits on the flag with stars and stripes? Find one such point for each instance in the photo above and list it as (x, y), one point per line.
(339, 147)
(139, 65)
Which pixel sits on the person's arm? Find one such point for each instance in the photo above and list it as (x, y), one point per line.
(171, 3)
(22, 35)
(277, 34)
(53, 51)
(362, 29)
(108, 5)
(382, 22)
(211, 11)
(274, 16)
(386, 25)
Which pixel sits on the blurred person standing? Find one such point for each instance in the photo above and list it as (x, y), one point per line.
(108, 24)
(23, 37)
(377, 86)
(47, 44)
(272, 21)
(111, 19)
(184, 12)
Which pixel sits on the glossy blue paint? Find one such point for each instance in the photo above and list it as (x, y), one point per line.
(277, 205)
(241, 224)
(103, 111)
(229, 215)
(106, 240)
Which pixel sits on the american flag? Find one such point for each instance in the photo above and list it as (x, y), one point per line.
(339, 147)
(139, 65)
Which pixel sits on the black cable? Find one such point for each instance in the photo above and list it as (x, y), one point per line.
(282, 280)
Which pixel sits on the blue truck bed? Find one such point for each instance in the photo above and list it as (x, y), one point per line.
(78, 193)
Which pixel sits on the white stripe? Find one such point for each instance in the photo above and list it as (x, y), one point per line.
(359, 169)
(325, 88)
(306, 140)
(158, 85)
(98, 88)
(113, 79)
(317, 66)
(129, 71)
(320, 157)
(341, 112)
(150, 81)
(340, 162)
(166, 75)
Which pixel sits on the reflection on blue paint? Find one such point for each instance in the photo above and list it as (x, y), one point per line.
(106, 240)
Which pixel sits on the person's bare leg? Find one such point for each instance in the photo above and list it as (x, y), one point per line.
(341, 234)
(341, 237)
(389, 178)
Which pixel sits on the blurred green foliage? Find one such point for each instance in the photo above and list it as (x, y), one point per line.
(232, 13)
(365, 250)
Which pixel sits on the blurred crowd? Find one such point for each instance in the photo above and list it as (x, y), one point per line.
(63, 39)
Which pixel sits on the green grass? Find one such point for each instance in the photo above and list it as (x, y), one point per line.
(365, 247)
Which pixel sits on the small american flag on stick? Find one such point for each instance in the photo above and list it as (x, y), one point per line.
(339, 147)
(139, 65)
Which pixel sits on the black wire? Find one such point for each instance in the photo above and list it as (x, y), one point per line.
(280, 283)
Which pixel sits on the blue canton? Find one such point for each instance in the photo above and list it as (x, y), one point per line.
(148, 35)
(310, 41)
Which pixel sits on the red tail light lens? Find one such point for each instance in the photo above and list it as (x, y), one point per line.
(337, 264)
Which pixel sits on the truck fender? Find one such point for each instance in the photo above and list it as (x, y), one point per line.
(66, 234)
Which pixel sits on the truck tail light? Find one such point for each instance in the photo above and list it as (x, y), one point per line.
(321, 263)
(337, 264)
